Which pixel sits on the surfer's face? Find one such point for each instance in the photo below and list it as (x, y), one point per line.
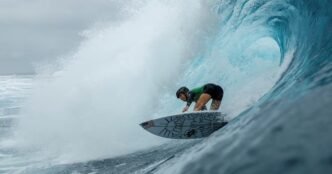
(183, 97)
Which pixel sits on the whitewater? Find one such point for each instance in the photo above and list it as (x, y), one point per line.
(272, 57)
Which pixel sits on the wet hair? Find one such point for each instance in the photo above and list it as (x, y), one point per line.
(182, 90)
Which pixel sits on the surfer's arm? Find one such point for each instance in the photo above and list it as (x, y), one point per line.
(190, 100)
(185, 108)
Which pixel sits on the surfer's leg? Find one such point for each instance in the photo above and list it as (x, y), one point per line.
(216, 93)
(215, 104)
(203, 99)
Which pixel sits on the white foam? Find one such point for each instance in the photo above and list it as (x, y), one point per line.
(92, 107)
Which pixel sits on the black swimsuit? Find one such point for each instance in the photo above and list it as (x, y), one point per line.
(215, 91)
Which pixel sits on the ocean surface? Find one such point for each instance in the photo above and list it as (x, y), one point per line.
(272, 57)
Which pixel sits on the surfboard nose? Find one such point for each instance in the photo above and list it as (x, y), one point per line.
(147, 124)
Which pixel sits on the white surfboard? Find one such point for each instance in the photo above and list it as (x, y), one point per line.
(187, 125)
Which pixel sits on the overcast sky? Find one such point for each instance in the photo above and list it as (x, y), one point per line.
(34, 31)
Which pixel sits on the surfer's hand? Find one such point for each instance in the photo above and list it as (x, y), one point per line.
(185, 109)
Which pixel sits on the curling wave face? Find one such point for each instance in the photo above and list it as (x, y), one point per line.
(273, 59)
(286, 131)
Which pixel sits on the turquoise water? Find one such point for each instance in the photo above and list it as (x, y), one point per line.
(273, 58)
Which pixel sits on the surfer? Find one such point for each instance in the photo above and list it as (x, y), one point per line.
(201, 96)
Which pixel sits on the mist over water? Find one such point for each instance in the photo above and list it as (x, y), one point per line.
(92, 105)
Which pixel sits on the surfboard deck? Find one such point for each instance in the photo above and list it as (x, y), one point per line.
(186, 125)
